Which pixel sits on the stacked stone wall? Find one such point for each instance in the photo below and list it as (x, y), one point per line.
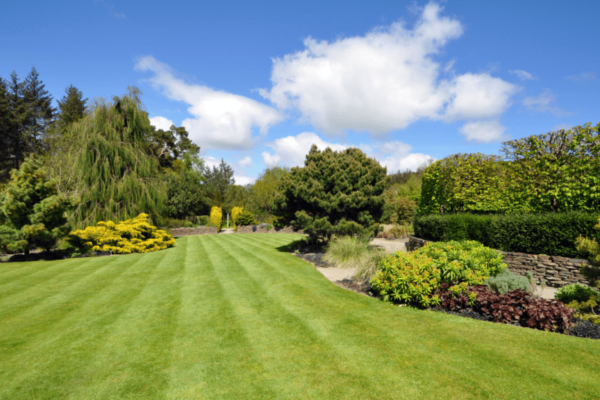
(555, 271)
(263, 229)
(201, 230)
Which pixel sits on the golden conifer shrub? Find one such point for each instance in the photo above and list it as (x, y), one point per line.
(235, 211)
(131, 236)
(216, 217)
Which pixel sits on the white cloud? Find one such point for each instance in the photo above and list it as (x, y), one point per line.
(583, 77)
(478, 96)
(211, 162)
(161, 123)
(245, 162)
(544, 103)
(483, 131)
(222, 120)
(383, 81)
(523, 75)
(292, 150)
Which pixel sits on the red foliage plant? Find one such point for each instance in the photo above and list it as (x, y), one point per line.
(514, 307)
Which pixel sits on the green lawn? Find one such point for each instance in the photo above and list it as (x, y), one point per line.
(231, 316)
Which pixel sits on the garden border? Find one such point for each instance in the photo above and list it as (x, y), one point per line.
(555, 271)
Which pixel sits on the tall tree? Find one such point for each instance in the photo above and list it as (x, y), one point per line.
(72, 107)
(336, 193)
(217, 181)
(118, 177)
(170, 145)
(40, 112)
(265, 189)
(6, 130)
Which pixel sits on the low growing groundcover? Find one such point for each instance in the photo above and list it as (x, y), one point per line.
(236, 316)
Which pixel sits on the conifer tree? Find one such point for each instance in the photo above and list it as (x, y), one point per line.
(31, 210)
(40, 113)
(6, 130)
(117, 175)
(72, 107)
(335, 193)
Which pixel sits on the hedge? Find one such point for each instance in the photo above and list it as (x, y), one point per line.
(550, 233)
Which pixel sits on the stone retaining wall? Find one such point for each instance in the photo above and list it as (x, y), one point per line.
(259, 229)
(201, 230)
(555, 271)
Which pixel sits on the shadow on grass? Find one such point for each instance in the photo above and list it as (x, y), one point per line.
(295, 245)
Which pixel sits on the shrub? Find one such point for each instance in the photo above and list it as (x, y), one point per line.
(235, 211)
(575, 291)
(335, 193)
(592, 249)
(550, 233)
(32, 211)
(506, 281)
(131, 236)
(517, 307)
(216, 217)
(397, 232)
(203, 219)
(245, 218)
(414, 277)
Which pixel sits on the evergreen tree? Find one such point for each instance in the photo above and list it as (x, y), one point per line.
(217, 181)
(6, 130)
(335, 193)
(40, 113)
(18, 116)
(72, 107)
(169, 146)
(185, 191)
(117, 175)
(32, 210)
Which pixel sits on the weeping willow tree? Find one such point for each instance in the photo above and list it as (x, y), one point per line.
(117, 176)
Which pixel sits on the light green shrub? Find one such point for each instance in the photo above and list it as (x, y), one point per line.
(414, 277)
(507, 281)
(354, 252)
(575, 291)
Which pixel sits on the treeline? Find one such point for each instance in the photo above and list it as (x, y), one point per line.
(554, 172)
(111, 163)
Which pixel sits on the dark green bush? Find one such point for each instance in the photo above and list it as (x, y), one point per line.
(203, 219)
(550, 233)
(245, 218)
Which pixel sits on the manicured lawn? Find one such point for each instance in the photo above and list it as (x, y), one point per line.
(231, 316)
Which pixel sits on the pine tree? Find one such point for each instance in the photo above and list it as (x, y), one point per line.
(117, 175)
(40, 112)
(217, 181)
(72, 107)
(335, 193)
(32, 211)
(6, 130)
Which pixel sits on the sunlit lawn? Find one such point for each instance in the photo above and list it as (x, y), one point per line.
(231, 316)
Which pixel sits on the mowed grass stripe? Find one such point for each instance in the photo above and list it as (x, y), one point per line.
(212, 357)
(49, 280)
(230, 316)
(322, 307)
(445, 351)
(68, 333)
(278, 336)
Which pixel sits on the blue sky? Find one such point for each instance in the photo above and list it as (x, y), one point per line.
(258, 82)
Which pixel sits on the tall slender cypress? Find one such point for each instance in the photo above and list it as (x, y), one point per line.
(118, 178)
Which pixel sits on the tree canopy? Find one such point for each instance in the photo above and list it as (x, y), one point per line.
(335, 193)
(118, 178)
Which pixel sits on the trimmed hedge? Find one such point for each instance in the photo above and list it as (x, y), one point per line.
(550, 233)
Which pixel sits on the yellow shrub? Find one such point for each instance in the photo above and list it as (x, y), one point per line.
(131, 236)
(216, 217)
(235, 211)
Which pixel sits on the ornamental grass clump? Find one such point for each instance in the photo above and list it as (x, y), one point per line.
(131, 236)
(413, 278)
(354, 252)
